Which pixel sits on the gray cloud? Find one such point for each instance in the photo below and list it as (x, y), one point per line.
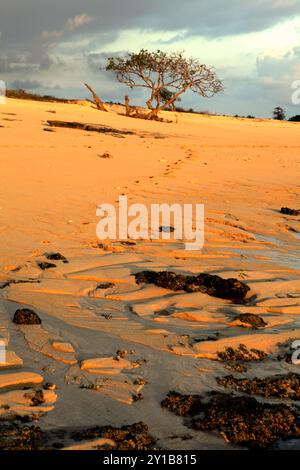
(44, 40)
(26, 84)
(25, 20)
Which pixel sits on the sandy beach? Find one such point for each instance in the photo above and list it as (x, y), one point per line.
(108, 350)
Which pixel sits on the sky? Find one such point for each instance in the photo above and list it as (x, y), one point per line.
(52, 47)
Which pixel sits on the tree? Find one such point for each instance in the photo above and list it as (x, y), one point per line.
(279, 114)
(159, 71)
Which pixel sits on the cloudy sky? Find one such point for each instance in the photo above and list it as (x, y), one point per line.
(52, 46)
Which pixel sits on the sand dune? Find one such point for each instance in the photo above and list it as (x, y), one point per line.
(115, 351)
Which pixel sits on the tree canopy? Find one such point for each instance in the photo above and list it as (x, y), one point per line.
(279, 113)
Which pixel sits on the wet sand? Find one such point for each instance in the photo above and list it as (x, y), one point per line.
(112, 347)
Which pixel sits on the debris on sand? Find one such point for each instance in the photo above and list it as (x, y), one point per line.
(105, 285)
(241, 420)
(236, 367)
(18, 281)
(89, 127)
(247, 422)
(249, 319)
(215, 286)
(37, 398)
(53, 256)
(242, 353)
(278, 386)
(288, 211)
(135, 437)
(25, 316)
(182, 405)
(105, 155)
(44, 265)
(14, 436)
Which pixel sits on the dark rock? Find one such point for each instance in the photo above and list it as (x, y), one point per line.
(215, 286)
(44, 265)
(244, 421)
(288, 211)
(128, 243)
(243, 354)
(182, 405)
(241, 420)
(105, 155)
(250, 319)
(56, 257)
(137, 397)
(279, 386)
(37, 398)
(25, 316)
(16, 437)
(105, 285)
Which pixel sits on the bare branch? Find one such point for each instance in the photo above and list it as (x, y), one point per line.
(98, 102)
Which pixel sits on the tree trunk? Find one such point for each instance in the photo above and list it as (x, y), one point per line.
(154, 113)
(98, 102)
(127, 106)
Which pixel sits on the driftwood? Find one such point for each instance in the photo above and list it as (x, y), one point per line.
(89, 127)
(127, 106)
(98, 102)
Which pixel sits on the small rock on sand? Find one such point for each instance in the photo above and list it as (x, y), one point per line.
(215, 286)
(44, 265)
(53, 256)
(288, 211)
(251, 320)
(25, 316)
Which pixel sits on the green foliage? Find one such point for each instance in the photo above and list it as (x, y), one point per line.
(279, 114)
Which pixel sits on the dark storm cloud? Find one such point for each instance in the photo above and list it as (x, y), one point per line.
(22, 20)
(42, 41)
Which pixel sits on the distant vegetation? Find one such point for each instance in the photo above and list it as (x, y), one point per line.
(166, 97)
(295, 118)
(279, 114)
(25, 95)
